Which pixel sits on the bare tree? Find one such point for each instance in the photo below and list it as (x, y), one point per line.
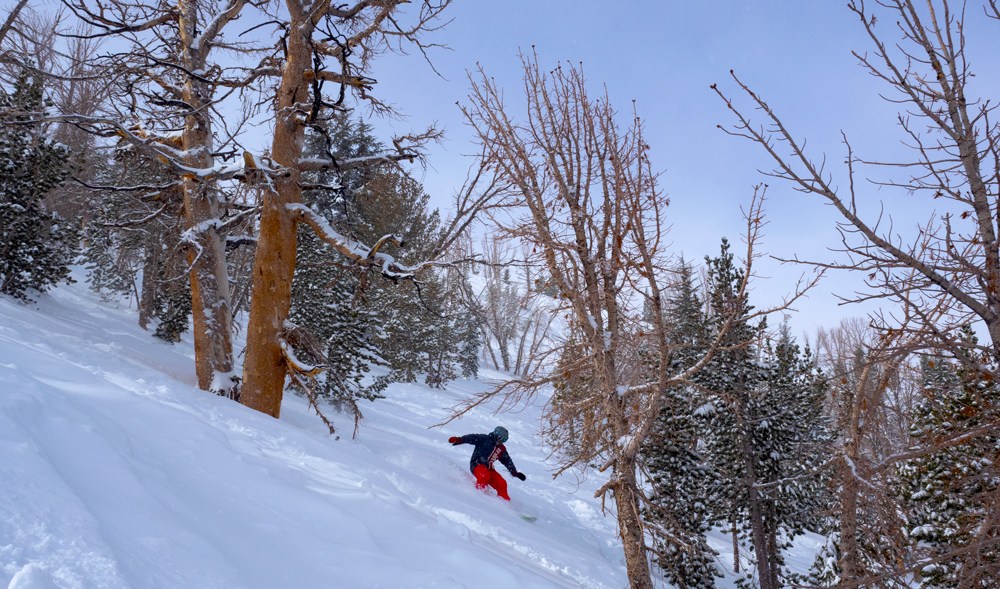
(500, 303)
(9, 20)
(868, 373)
(585, 198)
(298, 101)
(169, 98)
(12, 57)
(945, 275)
(513, 317)
(953, 262)
(72, 85)
(327, 43)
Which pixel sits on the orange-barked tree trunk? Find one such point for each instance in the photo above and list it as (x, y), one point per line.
(296, 106)
(211, 306)
(264, 368)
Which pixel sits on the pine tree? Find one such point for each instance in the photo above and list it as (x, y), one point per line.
(414, 316)
(678, 515)
(109, 254)
(425, 329)
(36, 245)
(765, 434)
(359, 318)
(325, 294)
(172, 299)
(946, 491)
(345, 332)
(798, 441)
(135, 234)
(731, 376)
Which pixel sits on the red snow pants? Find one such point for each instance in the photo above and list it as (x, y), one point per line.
(487, 476)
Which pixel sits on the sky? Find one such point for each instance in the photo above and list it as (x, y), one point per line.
(116, 472)
(665, 55)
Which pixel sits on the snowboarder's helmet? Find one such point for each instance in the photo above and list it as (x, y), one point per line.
(501, 433)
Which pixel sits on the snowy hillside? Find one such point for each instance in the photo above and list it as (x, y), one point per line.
(116, 471)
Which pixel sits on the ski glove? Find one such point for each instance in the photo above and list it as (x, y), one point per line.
(520, 475)
(455, 441)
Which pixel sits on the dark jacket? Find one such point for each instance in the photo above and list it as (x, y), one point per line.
(488, 449)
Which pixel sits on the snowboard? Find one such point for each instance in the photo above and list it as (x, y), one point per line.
(523, 514)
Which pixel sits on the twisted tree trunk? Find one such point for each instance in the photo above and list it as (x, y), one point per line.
(210, 299)
(274, 264)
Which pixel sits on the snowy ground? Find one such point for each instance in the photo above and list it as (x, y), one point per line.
(116, 471)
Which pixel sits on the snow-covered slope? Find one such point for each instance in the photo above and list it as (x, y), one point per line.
(116, 471)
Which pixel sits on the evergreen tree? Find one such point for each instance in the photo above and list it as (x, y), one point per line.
(423, 326)
(112, 255)
(412, 315)
(764, 433)
(946, 490)
(360, 318)
(442, 333)
(797, 439)
(344, 329)
(678, 516)
(172, 299)
(36, 245)
(325, 293)
(731, 376)
(136, 234)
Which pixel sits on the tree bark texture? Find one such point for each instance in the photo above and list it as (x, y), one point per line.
(758, 533)
(210, 298)
(264, 368)
(630, 527)
(849, 566)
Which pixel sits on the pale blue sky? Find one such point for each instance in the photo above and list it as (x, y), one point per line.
(665, 54)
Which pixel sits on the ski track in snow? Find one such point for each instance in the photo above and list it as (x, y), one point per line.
(116, 472)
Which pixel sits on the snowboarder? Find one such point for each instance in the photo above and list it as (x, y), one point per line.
(488, 449)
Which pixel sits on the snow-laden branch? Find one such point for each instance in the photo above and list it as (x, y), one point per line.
(297, 364)
(161, 148)
(212, 29)
(157, 188)
(353, 249)
(320, 164)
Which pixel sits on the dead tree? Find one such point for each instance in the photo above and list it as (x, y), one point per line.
(328, 44)
(34, 42)
(8, 25)
(584, 197)
(169, 96)
(867, 372)
(955, 257)
(513, 318)
(944, 275)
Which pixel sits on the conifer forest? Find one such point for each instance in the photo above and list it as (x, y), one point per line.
(227, 169)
